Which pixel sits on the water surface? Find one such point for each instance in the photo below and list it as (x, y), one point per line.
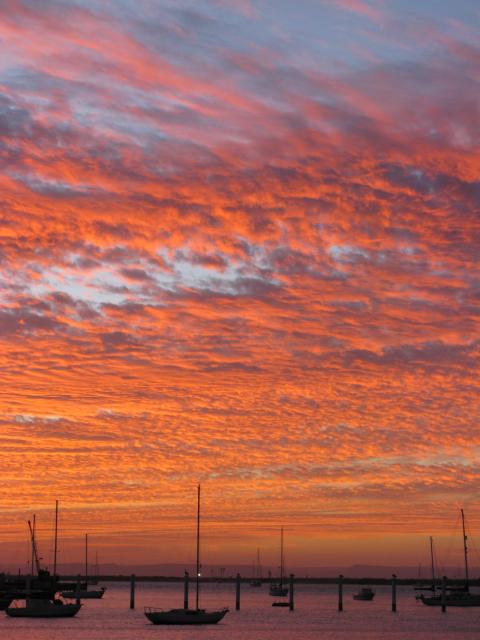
(315, 617)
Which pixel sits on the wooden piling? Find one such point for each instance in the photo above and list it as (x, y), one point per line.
(185, 590)
(394, 593)
(237, 593)
(132, 591)
(340, 592)
(291, 604)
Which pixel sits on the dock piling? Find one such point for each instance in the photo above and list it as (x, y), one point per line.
(340, 592)
(291, 604)
(237, 593)
(444, 594)
(185, 590)
(132, 591)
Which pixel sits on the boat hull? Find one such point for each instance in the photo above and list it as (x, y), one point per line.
(366, 595)
(468, 600)
(184, 616)
(89, 594)
(49, 610)
(5, 602)
(277, 590)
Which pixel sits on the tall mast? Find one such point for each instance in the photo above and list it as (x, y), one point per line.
(465, 551)
(86, 560)
(56, 540)
(32, 536)
(198, 546)
(34, 546)
(433, 562)
(281, 556)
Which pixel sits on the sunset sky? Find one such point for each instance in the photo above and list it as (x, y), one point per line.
(240, 245)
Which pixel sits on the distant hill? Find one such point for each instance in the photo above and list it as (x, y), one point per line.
(215, 571)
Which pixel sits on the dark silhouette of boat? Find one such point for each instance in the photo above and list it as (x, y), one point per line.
(188, 616)
(279, 589)
(5, 601)
(432, 586)
(40, 603)
(82, 592)
(257, 573)
(184, 616)
(43, 608)
(455, 597)
(366, 594)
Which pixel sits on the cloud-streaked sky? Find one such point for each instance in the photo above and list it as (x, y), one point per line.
(240, 244)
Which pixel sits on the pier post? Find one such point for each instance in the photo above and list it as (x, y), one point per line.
(394, 593)
(444, 595)
(77, 590)
(237, 593)
(340, 592)
(291, 600)
(132, 591)
(185, 590)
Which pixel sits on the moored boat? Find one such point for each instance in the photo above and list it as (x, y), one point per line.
(42, 608)
(188, 616)
(455, 597)
(279, 589)
(256, 580)
(184, 616)
(5, 601)
(82, 592)
(366, 594)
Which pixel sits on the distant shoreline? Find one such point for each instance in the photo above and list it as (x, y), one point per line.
(298, 580)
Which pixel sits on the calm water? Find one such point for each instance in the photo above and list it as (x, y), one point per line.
(315, 617)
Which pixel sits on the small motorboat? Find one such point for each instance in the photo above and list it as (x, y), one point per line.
(280, 603)
(365, 594)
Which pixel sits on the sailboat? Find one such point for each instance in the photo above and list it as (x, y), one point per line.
(279, 589)
(188, 616)
(84, 593)
(257, 573)
(432, 586)
(456, 597)
(40, 604)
